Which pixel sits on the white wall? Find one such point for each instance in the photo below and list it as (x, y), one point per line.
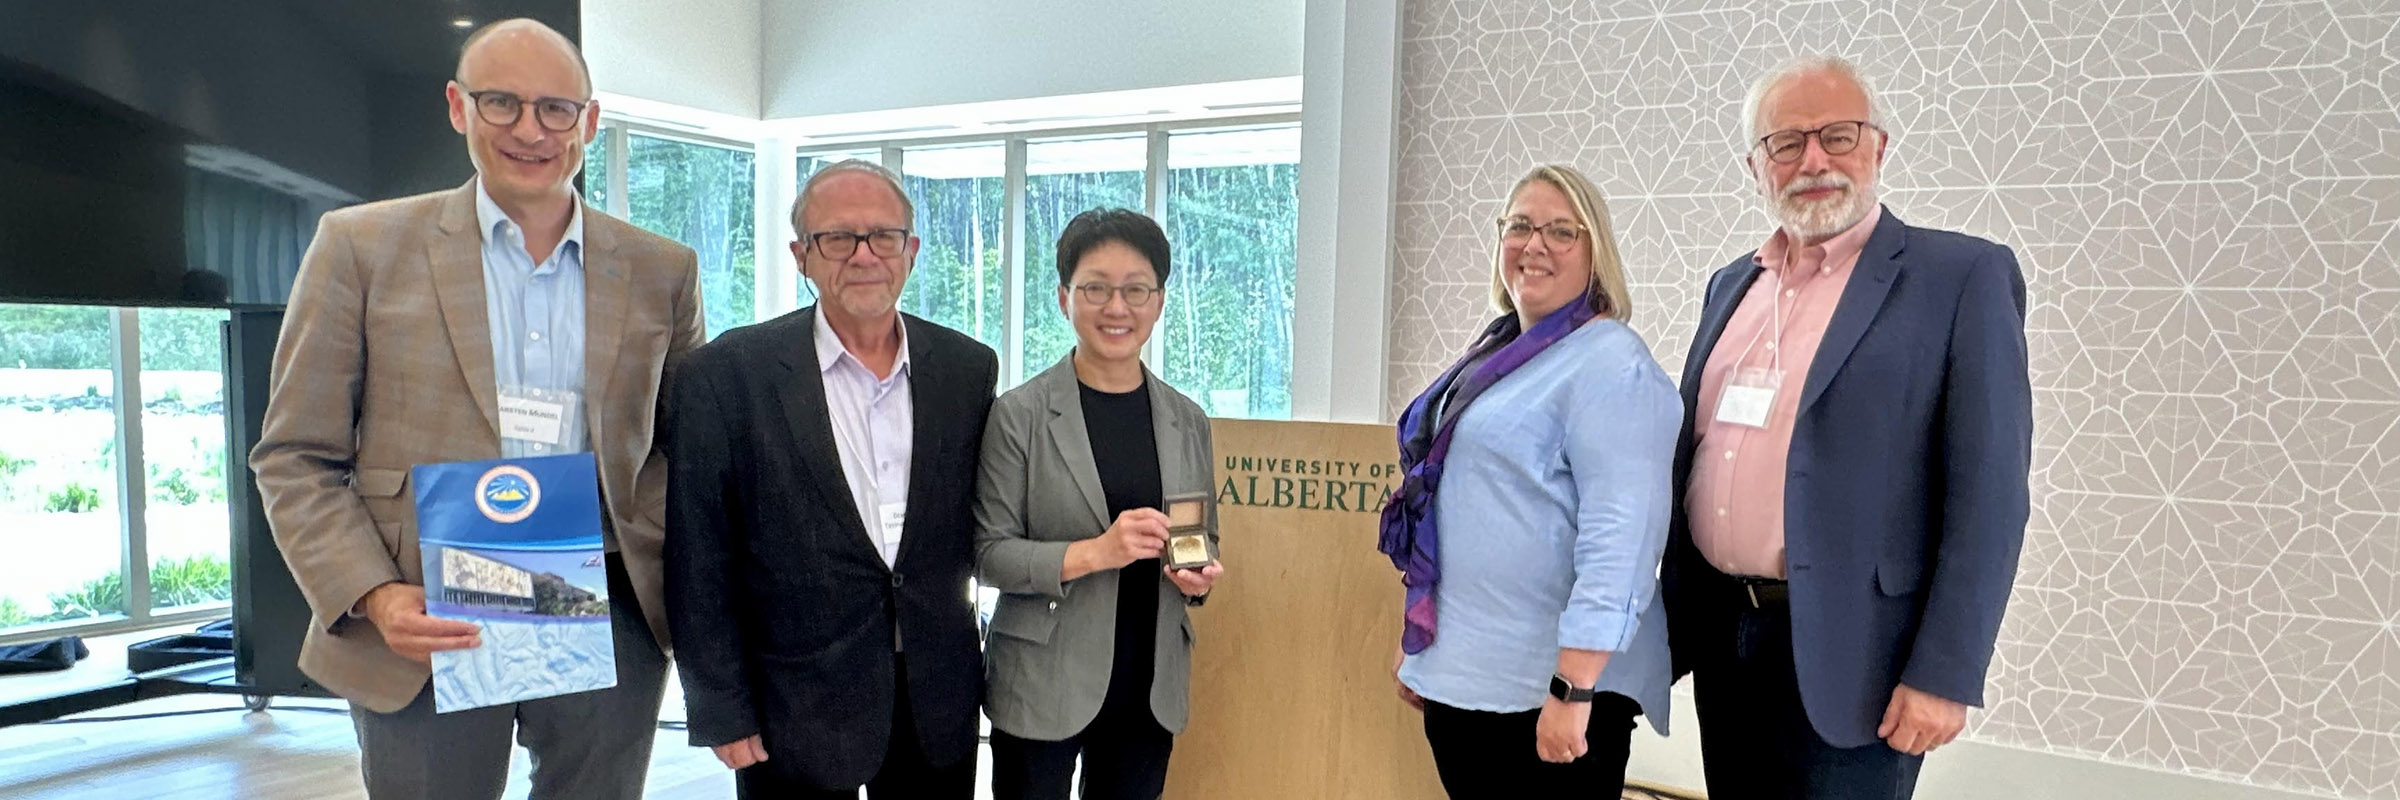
(700, 54)
(841, 56)
(1340, 305)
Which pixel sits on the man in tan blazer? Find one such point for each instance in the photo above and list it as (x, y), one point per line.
(411, 322)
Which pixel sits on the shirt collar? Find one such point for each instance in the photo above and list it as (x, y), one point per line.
(1839, 252)
(489, 219)
(830, 351)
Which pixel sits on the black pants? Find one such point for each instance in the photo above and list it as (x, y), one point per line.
(905, 774)
(1756, 742)
(1489, 754)
(1124, 758)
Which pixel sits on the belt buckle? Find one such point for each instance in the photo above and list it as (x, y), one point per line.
(1752, 590)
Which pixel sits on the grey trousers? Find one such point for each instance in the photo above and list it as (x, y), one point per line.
(584, 745)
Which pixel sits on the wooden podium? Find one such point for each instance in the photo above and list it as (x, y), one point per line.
(1292, 695)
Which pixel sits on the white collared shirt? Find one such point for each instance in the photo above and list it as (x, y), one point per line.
(874, 428)
(536, 315)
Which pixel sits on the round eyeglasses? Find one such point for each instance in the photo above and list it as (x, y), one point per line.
(556, 114)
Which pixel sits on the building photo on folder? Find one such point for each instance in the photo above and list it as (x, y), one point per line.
(513, 546)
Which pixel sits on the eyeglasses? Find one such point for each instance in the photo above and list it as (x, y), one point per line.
(837, 245)
(556, 114)
(1519, 230)
(1838, 138)
(1136, 295)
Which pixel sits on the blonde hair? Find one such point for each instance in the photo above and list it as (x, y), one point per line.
(1607, 292)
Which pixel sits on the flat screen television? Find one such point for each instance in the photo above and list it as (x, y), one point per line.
(175, 153)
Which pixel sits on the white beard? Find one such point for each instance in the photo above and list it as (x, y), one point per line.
(1822, 219)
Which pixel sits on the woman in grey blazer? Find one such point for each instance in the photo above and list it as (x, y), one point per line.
(1090, 648)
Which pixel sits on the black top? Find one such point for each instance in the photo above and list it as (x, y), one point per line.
(1125, 450)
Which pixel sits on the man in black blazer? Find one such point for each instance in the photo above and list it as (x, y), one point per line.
(1852, 473)
(821, 525)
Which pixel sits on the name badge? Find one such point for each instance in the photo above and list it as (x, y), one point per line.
(891, 516)
(533, 420)
(1749, 397)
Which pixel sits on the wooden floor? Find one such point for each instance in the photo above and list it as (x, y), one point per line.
(298, 750)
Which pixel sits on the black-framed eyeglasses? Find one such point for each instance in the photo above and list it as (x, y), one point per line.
(837, 245)
(1837, 138)
(1137, 295)
(1519, 230)
(556, 114)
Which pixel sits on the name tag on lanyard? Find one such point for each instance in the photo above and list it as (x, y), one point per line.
(1748, 398)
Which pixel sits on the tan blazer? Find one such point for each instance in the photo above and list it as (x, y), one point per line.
(385, 362)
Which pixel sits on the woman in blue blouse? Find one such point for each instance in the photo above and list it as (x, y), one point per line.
(1530, 523)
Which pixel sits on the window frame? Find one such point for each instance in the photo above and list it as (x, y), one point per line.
(132, 506)
(1013, 369)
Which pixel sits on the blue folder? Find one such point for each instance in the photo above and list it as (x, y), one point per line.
(513, 545)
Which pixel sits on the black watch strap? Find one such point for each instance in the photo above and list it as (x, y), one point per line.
(1561, 689)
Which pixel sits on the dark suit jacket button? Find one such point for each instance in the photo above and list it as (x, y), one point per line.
(895, 580)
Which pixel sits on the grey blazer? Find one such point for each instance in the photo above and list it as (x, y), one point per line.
(1052, 644)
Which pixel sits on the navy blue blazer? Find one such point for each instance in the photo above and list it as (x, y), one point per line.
(1906, 498)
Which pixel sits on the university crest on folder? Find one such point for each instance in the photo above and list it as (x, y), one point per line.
(513, 546)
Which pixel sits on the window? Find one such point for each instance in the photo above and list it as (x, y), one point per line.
(1233, 217)
(810, 163)
(59, 501)
(989, 209)
(958, 280)
(189, 530)
(1062, 179)
(595, 169)
(700, 195)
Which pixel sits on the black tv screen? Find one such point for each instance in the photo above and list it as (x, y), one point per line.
(175, 153)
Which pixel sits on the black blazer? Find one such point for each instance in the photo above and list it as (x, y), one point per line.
(781, 610)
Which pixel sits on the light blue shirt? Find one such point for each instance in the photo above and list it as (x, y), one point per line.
(874, 432)
(536, 315)
(1553, 511)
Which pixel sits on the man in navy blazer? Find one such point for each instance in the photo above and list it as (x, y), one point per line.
(1852, 471)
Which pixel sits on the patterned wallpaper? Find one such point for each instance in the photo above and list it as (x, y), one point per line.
(2206, 199)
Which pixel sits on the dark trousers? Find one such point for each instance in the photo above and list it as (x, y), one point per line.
(905, 774)
(1756, 742)
(1124, 755)
(1489, 754)
(588, 744)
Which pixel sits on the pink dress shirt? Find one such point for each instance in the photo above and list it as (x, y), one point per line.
(1735, 499)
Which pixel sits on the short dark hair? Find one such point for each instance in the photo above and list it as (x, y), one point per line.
(1091, 229)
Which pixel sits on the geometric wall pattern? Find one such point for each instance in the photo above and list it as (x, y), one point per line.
(2205, 197)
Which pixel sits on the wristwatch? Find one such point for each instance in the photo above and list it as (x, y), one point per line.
(1563, 690)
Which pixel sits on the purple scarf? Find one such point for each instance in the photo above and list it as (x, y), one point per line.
(1408, 532)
